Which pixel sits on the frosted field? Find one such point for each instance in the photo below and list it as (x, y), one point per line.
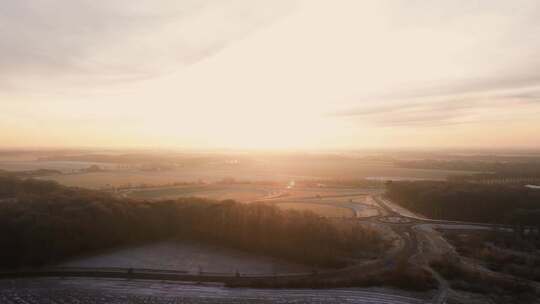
(117, 291)
(186, 256)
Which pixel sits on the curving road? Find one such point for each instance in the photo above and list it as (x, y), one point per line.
(405, 232)
(408, 226)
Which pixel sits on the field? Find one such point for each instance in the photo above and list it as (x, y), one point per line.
(162, 169)
(94, 291)
(320, 209)
(186, 256)
(125, 177)
(64, 166)
(498, 251)
(329, 202)
(242, 193)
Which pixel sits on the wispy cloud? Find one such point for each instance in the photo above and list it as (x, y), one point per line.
(109, 41)
(486, 69)
(439, 110)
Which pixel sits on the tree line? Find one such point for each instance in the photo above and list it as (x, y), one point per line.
(503, 204)
(482, 170)
(42, 222)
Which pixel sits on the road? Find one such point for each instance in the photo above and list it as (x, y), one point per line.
(408, 226)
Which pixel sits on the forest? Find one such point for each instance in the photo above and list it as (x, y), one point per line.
(497, 168)
(503, 204)
(42, 222)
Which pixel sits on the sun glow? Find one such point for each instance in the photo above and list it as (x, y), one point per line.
(277, 78)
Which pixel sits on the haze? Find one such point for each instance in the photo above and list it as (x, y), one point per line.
(270, 74)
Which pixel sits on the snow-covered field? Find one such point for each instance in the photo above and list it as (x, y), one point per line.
(119, 291)
(187, 256)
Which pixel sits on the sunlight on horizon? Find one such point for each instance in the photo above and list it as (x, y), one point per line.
(271, 75)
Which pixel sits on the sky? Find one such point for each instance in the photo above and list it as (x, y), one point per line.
(270, 74)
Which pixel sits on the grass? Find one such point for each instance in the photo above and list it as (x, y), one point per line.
(263, 171)
(484, 248)
(500, 289)
(406, 277)
(217, 192)
(319, 209)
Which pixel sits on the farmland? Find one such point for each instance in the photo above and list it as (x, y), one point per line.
(319, 209)
(122, 177)
(191, 257)
(243, 193)
(287, 229)
(93, 291)
(260, 152)
(155, 169)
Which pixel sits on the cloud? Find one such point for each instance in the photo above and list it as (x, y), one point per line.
(441, 110)
(107, 41)
(467, 62)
